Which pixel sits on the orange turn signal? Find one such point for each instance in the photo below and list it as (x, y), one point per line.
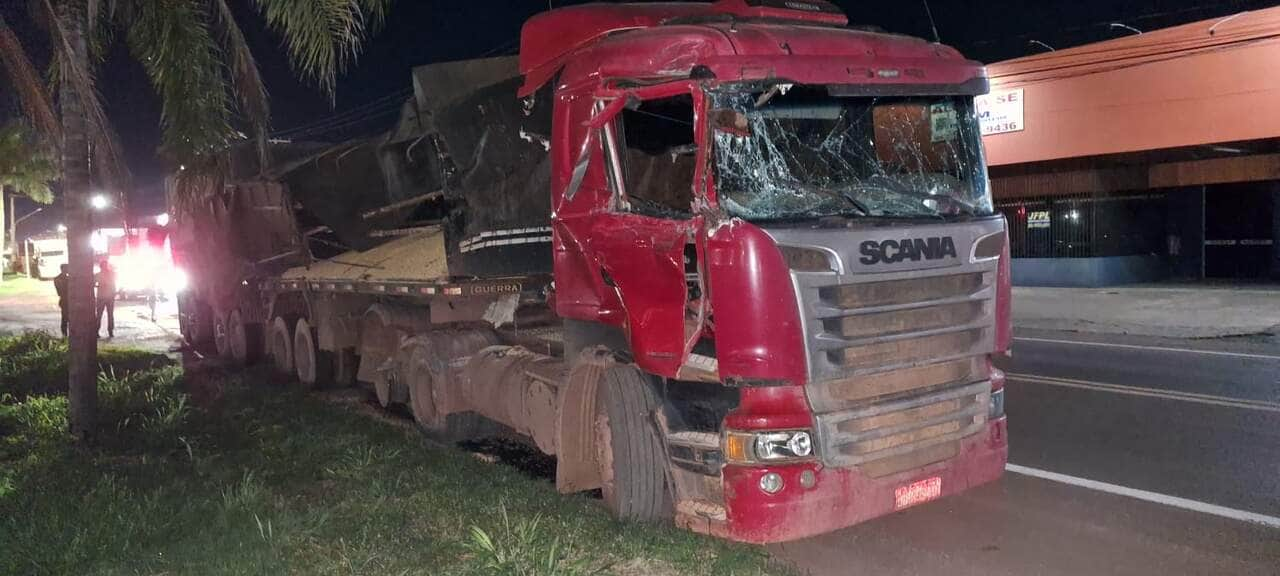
(737, 447)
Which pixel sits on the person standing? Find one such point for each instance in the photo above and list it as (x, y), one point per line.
(60, 285)
(107, 296)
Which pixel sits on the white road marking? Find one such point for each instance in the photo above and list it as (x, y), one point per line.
(1165, 499)
(1154, 348)
(1150, 392)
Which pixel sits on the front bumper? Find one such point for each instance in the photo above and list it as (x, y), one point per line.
(841, 497)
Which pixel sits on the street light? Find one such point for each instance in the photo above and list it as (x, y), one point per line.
(99, 202)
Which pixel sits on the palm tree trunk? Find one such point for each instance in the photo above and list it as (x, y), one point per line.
(82, 372)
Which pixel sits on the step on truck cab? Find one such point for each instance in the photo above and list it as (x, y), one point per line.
(732, 263)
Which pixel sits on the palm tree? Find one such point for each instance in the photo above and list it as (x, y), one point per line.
(199, 63)
(26, 169)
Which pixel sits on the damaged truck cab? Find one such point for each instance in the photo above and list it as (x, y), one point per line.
(731, 263)
(762, 198)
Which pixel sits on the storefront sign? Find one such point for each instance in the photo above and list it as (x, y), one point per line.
(1038, 219)
(1000, 112)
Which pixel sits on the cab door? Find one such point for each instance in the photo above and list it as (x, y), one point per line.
(644, 243)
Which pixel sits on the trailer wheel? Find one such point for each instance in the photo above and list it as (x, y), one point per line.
(632, 461)
(280, 344)
(196, 322)
(346, 363)
(244, 341)
(221, 336)
(313, 366)
(424, 366)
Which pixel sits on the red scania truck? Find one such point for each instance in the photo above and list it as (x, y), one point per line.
(731, 263)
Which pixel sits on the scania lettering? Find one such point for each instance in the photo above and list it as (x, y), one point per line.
(733, 264)
(891, 251)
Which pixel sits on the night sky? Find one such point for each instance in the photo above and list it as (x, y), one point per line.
(422, 31)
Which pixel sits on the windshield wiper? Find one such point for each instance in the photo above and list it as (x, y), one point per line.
(838, 193)
(881, 182)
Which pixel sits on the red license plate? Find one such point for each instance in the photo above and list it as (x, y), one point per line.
(917, 492)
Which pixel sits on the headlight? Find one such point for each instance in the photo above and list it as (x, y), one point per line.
(742, 447)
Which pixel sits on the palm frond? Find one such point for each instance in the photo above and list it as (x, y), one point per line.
(25, 166)
(246, 80)
(172, 40)
(324, 36)
(36, 103)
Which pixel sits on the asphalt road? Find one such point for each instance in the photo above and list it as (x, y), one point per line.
(36, 308)
(1189, 427)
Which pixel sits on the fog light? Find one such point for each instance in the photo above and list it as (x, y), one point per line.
(771, 483)
(808, 479)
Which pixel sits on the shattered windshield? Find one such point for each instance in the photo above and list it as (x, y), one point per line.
(799, 152)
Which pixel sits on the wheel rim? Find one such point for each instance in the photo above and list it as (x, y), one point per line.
(282, 347)
(382, 387)
(304, 354)
(421, 387)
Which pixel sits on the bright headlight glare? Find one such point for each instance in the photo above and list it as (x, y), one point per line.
(178, 281)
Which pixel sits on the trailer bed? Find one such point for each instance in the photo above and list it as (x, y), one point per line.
(411, 266)
(418, 257)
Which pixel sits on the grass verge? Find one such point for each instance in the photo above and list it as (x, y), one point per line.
(215, 473)
(15, 285)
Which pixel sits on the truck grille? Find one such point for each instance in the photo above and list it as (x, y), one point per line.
(897, 369)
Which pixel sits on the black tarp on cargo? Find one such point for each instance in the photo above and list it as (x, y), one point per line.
(499, 182)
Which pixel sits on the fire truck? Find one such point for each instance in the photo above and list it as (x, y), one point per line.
(733, 264)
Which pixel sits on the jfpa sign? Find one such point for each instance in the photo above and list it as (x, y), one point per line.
(1000, 112)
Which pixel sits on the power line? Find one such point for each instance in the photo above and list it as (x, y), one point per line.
(1107, 23)
(391, 101)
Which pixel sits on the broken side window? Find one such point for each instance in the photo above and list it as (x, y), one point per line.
(658, 157)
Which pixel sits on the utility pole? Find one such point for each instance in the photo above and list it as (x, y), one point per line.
(13, 233)
(4, 243)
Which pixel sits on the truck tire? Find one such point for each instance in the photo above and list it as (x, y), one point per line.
(221, 336)
(632, 461)
(280, 346)
(196, 323)
(244, 341)
(313, 366)
(424, 363)
(346, 363)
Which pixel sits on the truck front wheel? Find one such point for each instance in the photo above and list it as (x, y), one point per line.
(629, 452)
